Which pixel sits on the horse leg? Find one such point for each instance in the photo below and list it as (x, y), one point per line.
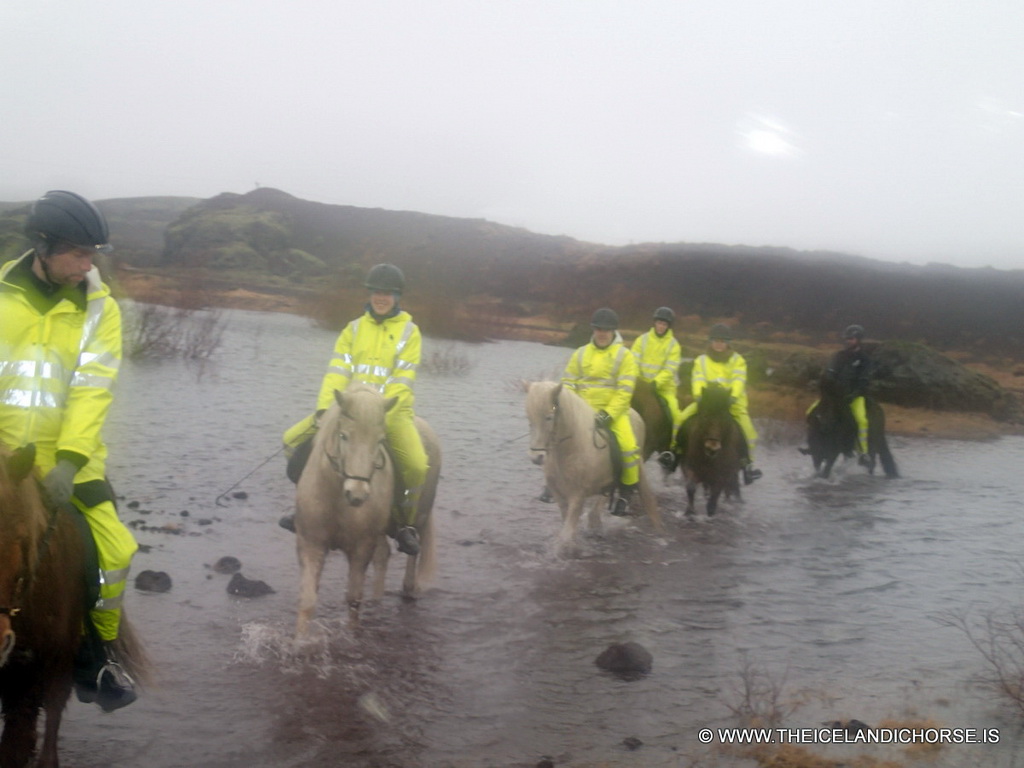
(311, 565)
(358, 562)
(691, 491)
(595, 523)
(19, 737)
(572, 509)
(650, 503)
(716, 491)
(56, 698)
(381, 554)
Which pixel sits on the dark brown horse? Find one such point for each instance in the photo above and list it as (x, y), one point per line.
(832, 432)
(42, 610)
(714, 445)
(657, 419)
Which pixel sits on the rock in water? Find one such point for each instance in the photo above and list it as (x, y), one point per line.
(228, 564)
(243, 587)
(625, 659)
(153, 581)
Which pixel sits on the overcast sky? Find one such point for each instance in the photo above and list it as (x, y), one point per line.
(888, 128)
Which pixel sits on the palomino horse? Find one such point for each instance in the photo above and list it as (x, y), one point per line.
(713, 447)
(576, 457)
(832, 431)
(656, 417)
(42, 609)
(344, 500)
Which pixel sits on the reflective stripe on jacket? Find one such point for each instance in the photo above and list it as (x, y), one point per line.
(57, 370)
(658, 357)
(384, 355)
(605, 378)
(731, 374)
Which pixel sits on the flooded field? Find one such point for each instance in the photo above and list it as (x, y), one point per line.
(834, 594)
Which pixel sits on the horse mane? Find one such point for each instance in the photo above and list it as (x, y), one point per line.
(22, 513)
(714, 401)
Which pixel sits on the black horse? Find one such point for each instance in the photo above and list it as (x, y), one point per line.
(714, 449)
(832, 431)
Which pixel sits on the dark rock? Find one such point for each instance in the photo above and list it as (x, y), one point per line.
(545, 762)
(153, 581)
(204, 521)
(240, 495)
(145, 549)
(184, 513)
(133, 505)
(625, 659)
(228, 564)
(916, 376)
(632, 742)
(243, 587)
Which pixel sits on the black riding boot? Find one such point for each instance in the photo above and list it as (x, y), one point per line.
(621, 506)
(100, 678)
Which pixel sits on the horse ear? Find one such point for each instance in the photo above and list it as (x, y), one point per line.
(524, 385)
(555, 393)
(339, 397)
(20, 462)
(390, 403)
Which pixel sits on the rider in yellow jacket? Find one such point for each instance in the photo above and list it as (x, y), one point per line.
(380, 348)
(724, 366)
(60, 350)
(603, 372)
(658, 354)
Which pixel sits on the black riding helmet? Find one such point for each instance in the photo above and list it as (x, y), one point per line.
(604, 319)
(386, 278)
(720, 331)
(854, 332)
(64, 217)
(666, 314)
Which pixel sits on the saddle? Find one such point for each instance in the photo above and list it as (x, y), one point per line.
(615, 453)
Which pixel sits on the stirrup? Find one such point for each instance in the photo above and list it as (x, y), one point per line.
(287, 522)
(115, 687)
(667, 460)
(865, 460)
(751, 473)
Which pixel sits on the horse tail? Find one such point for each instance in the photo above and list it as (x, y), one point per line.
(131, 653)
(650, 503)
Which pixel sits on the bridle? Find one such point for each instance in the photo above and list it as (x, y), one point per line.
(338, 462)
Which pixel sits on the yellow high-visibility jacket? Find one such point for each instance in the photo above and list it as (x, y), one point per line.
(658, 357)
(605, 378)
(57, 370)
(732, 374)
(384, 355)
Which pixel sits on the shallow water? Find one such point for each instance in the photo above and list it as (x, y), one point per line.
(834, 592)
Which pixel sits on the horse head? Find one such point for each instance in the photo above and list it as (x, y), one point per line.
(542, 410)
(359, 437)
(715, 420)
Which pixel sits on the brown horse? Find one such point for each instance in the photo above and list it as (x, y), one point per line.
(713, 446)
(344, 500)
(656, 416)
(42, 610)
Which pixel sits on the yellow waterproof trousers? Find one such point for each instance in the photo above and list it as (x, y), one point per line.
(667, 390)
(623, 432)
(115, 547)
(860, 415)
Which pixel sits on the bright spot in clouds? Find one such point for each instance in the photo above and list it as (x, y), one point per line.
(765, 136)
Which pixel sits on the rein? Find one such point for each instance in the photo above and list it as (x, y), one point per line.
(556, 411)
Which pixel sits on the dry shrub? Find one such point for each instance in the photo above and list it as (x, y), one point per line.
(447, 361)
(153, 332)
(1000, 641)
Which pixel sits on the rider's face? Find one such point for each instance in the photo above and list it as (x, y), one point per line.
(660, 326)
(603, 337)
(382, 302)
(68, 264)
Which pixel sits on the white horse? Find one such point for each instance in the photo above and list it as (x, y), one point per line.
(575, 456)
(344, 500)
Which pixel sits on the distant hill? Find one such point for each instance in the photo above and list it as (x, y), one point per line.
(452, 260)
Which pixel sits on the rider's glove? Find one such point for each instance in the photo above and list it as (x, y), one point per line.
(603, 419)
(59, 482)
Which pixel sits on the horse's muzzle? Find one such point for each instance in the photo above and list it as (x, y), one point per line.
(712, 447)
(537, 457)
